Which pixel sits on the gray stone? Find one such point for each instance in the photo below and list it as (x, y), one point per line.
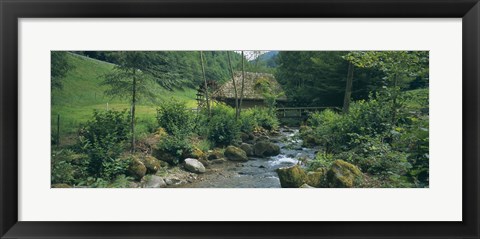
(154, 181)
(194, 166)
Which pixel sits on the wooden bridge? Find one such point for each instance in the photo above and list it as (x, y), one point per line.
(293, 112)
(300, 112)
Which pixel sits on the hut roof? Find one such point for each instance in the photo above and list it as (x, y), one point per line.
(253, 87)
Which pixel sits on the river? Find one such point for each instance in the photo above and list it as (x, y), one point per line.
(256, 172)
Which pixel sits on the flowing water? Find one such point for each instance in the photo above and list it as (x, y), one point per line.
(256, 172)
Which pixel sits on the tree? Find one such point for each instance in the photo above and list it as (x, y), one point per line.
(243, 84)
(205, 83)
(348, 88)
(399, 67)
(237, 112)
(136, 75)
(59, 66)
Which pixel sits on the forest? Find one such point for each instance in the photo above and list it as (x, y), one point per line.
(239, 119)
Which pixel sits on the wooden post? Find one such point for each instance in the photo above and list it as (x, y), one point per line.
(58, 130)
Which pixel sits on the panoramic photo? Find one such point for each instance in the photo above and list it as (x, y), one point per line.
(239, 119)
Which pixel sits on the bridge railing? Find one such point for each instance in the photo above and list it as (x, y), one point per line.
(301, 112)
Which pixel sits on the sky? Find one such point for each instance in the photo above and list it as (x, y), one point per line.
(250, 55)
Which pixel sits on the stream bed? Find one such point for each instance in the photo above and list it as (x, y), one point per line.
(256, 172)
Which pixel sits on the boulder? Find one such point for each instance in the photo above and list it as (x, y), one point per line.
(198, 154)
(248, 148)
(306, 186)
(266, 149)
(165, 156)
(244, 137)
(343, 175)
(309, 140)
(137, 169)
(291, 177)
(235, 154)
(315, 179)
(151, 163)
(193, 166)
(263, 138)
(153, 181)
(173, 181)
(215, 154)
(204, 162)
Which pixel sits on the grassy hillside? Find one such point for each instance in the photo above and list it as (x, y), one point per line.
(82, 92)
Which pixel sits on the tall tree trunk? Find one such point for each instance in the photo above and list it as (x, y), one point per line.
(394, 100)
(134, 100)
(205, 82)
(348, 88)
(237, 113)
(243, 84)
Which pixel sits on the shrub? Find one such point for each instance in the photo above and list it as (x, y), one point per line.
(322, 160)
(175, 118)
(223, 129)
(376, 157)
(265, 119)
(62, 171)
(247, 121)
(176, 146)
(103, 140)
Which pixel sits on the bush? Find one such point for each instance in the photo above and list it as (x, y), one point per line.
(265, 119)
(322, 160)
(376, 157)
(223, 129)
(176, 146)
(379, 135)
(103, 140)
(175, 118)
(62, 171)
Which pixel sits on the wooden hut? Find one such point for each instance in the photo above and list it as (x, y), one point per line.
(255, 86)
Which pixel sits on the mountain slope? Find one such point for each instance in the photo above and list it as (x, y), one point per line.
(82, 93)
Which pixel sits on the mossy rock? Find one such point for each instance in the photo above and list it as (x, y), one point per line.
(343, 175)
(245, 137)
(248, 148)
(235, 154)
(198, 154)
(215, 154)
(137, 169)
(151, 163)
(309, 140)
(61, 185)
(292, 177)
(266, 149)
(165, 156)
(316, 179)
(306, 186)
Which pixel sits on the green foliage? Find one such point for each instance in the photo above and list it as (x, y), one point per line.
(102, 139)
(62, 171)
(265, 118)
(59, 66)
(318, 78)
(399, 67)
(386, 138)
(120, 181)
(177, 146)
(175, 118)
(322, 160)
(223, 128)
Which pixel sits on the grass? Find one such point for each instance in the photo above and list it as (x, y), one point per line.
(82, 93)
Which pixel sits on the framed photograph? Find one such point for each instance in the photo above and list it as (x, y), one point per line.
(239, 119)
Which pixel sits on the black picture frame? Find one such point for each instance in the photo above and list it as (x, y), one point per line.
(11, 11)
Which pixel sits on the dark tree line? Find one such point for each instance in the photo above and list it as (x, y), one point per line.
(319, 78)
